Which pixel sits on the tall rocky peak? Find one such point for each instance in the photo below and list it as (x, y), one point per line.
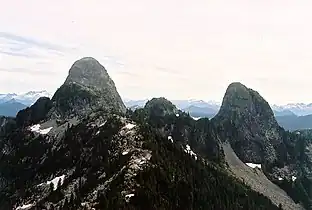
(88, 72)
(246, 102)
(251, 127)
(88, 87)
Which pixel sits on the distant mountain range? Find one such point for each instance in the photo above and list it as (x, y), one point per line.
(25, 98)
(11, 103)
(10, 108)
(299, 109)
(293, 116)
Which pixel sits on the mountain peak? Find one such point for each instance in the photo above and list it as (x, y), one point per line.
(87, 87)
(160, 107)
(237, 85)
(90, 73)
(253, 119)
(241, 99)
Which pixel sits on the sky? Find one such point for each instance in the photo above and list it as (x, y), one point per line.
(179, 49)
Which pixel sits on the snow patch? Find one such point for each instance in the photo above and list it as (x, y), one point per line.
(97, 133)
(36, 128)
(177, 115)
(280, 179)
(127, 197)
(253, 165)
(84, 204)
(188, 150)
(129, 126)
(170, 139)
(24, 207)
(55, 181)
(293, 178)
(196, 118)
(45, 131)
(102, 124)
(125, 152)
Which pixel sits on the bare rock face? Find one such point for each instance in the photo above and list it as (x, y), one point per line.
(88, 87)
(250, 124)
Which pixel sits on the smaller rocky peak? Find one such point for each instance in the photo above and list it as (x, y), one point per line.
(35, 113)
(160, 107)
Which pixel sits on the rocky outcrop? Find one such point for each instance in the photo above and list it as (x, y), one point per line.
(160, 107)
(87, 88)
(250, 125)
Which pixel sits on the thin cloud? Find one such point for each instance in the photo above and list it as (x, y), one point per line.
(31, 42)
(26, 71)
(127, 73)
(166, 70)
(18, 54)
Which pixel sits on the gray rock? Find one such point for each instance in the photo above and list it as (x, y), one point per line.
(88, 87)
(253, 131)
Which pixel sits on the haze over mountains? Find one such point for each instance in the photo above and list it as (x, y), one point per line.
(290, 116)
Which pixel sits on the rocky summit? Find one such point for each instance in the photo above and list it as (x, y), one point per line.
(256, 134)
(160, 107)
(87, 88)
(82, 150)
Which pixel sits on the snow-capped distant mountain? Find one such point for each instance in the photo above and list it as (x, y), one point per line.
(134, 104)
(7, 97)
(299, 109)
(25, 98)
(196, 108)
(183, 104)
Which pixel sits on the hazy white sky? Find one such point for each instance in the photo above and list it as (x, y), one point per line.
(178, 48)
